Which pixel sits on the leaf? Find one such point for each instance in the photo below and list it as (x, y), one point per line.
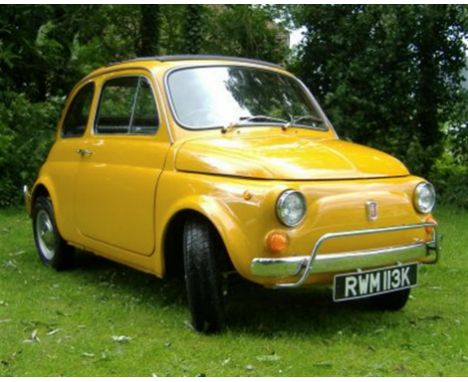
(268, 358)
(34, 336)
(86, 354)
(121, 339)
(10, 264)
(52, 332)
(226, 361)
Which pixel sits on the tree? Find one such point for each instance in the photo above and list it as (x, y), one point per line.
(193, 28)
(246, 31)
(149, 30)
(387, 75)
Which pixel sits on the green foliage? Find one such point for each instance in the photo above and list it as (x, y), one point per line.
(387, 75)
(193, 28)
(26, 133)
(450, 172)
(457, 130)
(450, 179)
(246, 31)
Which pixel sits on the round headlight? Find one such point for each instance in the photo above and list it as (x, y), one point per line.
(291, 208)
(424, 197)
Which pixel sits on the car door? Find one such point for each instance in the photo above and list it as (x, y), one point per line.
(121, 161)
(62, 162)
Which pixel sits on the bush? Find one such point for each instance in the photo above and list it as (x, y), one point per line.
(26, 134)
(451, 181)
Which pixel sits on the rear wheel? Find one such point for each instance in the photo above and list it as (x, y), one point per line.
(390, 301)
(203, 251)
(51, 248)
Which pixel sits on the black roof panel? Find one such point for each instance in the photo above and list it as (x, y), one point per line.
(196, 57)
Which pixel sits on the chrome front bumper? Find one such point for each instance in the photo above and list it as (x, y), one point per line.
(305, 265)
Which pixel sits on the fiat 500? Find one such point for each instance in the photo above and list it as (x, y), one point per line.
(206, 165)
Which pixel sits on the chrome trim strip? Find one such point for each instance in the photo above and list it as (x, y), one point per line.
(315, 263)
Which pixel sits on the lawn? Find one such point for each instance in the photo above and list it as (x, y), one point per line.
(102, 319)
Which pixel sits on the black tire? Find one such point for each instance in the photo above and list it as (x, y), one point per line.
(203, 251)
(51, 248)
(391, 301)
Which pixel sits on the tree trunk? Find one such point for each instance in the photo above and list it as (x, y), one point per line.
(149, 30)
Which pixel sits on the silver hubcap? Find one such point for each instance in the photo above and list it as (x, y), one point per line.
(45, 234)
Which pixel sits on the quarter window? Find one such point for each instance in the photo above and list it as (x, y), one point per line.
(76, 119)
(127, 106)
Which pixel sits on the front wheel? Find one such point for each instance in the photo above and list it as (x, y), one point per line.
(202, 255)
(390, 301)
(51, 248)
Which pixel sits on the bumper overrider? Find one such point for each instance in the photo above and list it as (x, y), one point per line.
(303, 266)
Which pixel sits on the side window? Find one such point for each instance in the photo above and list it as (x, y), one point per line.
(145, 116)
(76, 119)
(127, 106)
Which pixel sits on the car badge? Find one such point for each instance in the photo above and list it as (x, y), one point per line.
(371, 210)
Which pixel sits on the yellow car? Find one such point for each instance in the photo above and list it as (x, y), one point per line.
(204, 165)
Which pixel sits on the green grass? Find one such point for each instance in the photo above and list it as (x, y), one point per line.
(62, 324)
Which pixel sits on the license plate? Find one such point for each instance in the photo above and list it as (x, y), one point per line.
(352, 286)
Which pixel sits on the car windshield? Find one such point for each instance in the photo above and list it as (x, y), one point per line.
(210, 97)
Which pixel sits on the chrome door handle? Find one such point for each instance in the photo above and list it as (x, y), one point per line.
(84, 152)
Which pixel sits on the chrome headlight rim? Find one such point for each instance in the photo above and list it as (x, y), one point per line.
(417, 194)
(280, 202)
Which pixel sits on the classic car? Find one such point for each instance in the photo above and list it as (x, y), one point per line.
(208, 165)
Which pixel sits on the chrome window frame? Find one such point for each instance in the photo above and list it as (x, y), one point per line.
(69, 105)
(108, 77)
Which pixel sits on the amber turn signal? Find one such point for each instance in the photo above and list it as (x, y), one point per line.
(277, 241)
(430, 219)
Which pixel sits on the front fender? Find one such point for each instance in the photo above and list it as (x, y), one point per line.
(219, 215)
(220, 201)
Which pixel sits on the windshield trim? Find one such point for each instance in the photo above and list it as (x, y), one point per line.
(309, 96)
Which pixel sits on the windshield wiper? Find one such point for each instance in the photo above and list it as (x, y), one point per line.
(244, 121)
(296, 120)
